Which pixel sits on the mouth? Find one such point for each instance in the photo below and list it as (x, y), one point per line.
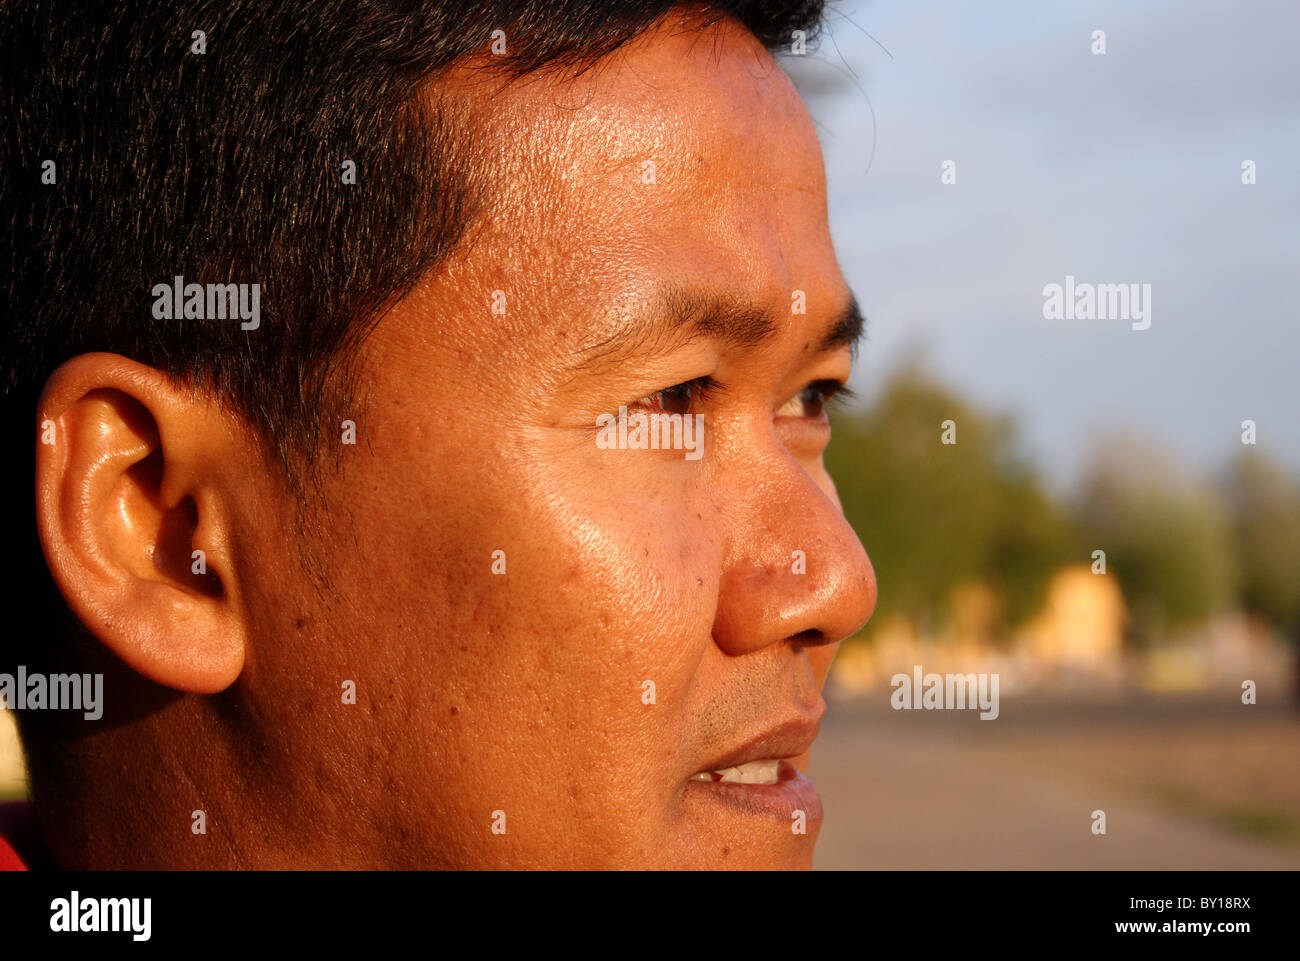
(760, 777)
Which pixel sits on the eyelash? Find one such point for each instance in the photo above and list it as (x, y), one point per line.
(834, 393)
(699, 387)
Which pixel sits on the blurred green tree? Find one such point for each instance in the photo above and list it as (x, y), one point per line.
(1166, 534)
(1265, 510)
(932, 515)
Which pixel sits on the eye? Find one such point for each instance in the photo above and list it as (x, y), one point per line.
(680, 398)
(812, 401)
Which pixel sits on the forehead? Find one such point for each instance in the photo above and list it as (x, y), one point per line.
(697, 114)
(684, 158)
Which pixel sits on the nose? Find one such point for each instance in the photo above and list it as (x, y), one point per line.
(795, 570)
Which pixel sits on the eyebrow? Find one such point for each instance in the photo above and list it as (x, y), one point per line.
(678, 314)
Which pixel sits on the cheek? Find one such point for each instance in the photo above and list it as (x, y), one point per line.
(632, 585)
(549, 679)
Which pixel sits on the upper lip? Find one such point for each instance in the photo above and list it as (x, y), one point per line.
(785, 740)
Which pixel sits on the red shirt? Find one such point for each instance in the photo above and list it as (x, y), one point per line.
(12, 815)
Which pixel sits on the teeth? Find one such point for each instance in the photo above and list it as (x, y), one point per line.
(754, 772)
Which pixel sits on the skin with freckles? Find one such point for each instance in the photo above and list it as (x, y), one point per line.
(495, 690)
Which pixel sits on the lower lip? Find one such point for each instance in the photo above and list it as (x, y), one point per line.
(792, 792)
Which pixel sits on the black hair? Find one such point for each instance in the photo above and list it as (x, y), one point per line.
(208, 139)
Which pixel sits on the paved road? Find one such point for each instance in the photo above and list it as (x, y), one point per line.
(902, 790)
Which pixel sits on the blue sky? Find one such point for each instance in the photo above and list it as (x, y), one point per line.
(1122, 168)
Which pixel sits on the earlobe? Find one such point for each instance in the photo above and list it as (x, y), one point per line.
(134, 523)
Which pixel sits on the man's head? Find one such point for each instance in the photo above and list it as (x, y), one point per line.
(437, 621)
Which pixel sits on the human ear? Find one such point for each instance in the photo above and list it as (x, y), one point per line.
(134, 517)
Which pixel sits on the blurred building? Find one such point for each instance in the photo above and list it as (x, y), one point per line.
(1080, 631)
(1075, 642)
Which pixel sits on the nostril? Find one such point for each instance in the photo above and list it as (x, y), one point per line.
(809, 638)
